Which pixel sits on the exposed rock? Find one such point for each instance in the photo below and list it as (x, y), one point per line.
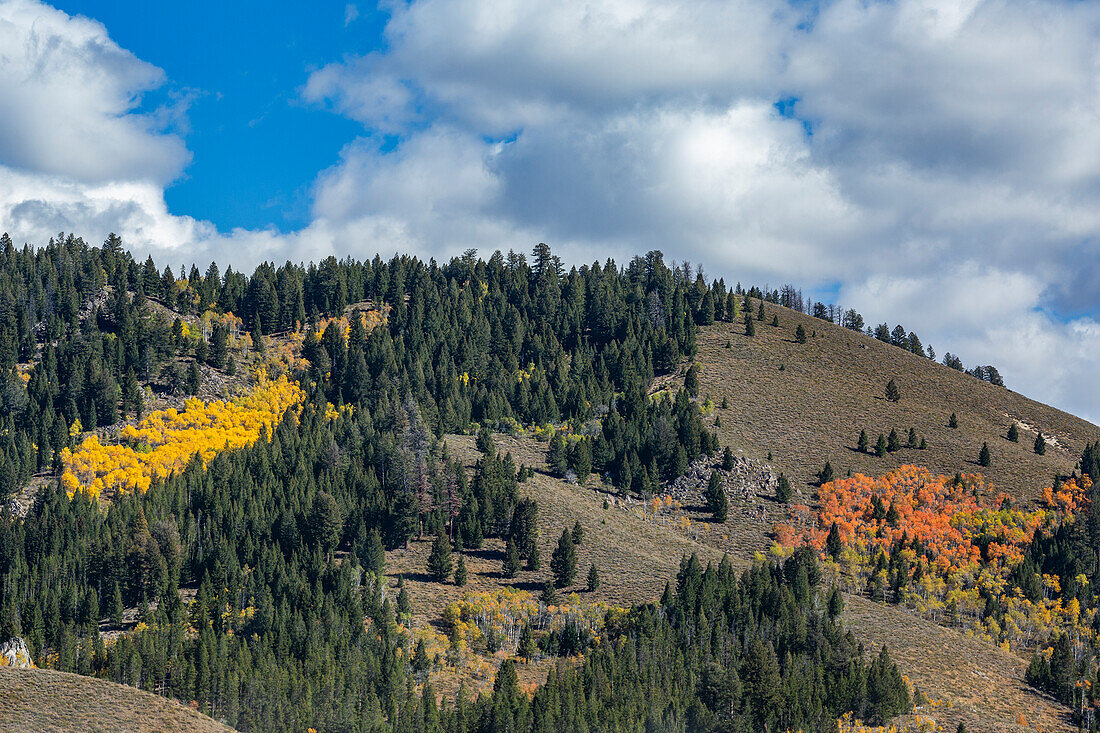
(14, 653)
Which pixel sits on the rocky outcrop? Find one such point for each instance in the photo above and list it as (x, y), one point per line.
(14, 653)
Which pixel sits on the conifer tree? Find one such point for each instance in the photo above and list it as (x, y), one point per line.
(1013, 433)
(953, 422)
(775, 324)
(511, 560)
(862, 444)
(825, 475)
(460, 572)
(880, 446)
(912, 443)
(691, 380)
(578, 533)
(833, 544)
(534, 560)
(727, 459)
(556, 456)
(783, 489)
(563, 562)
(760, 311)
(893, 442)
(1040, 444)
(527, 647)
(549, 595)
(984, 456)
(800, 334)
(593, 578)
(116, 609)
(440, 562)
(750, 327)
(893, 394)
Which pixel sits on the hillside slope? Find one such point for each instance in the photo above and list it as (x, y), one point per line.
(45, 700)
(638, 552)
(806, 404)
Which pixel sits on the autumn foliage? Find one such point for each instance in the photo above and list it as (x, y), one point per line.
(943, 546)
(166, 440)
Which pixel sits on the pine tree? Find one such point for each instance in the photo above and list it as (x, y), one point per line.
(1013, 433)
(750, 327)
(893, 442)
(783, 489)
(593, 578)
(984, 456)
(511, 560)
(374, 558)
(563, 562)
(912, 437)
(836, 602)
(116, 608)
(760, 312)
(549, 595)
(862, 444)
(1040, 445)
(953, 422)
(893, 394)
(825, 475)
(527, 648)
(880, 445)
(534, 560)
(460, 572)
(800, 334)
(691, 380)
(727, 459)
(833, 544)
(440, 562)
(556, 456)
(578, 533)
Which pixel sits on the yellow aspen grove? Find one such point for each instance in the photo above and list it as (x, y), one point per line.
(167, 439)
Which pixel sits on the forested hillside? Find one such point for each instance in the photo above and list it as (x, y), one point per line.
(211, 472)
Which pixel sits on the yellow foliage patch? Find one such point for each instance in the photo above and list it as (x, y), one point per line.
(167, 439)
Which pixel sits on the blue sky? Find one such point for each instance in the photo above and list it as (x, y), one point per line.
(239, 68)
(934, 163)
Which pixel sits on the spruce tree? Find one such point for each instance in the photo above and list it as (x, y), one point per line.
(984, 456)
(534, 560)
(861, 444)
(760, 311)
(460, 572)
(549, 595)
(691, 380)
(1040, 445)
(783, 489)
(893, 442)
(1013, 433)
(593, 578)
(727, 459)
(511, 560)
(750, 327)
(116, 609)
(893, 394)
(563, 562)
(825, 475)
(912, 437)
(578, 533)
(775, 324)
(880, 445)
(800, 334)
(440, 562)
(953, 422)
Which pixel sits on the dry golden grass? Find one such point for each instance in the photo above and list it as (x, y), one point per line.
(44, 700)
(831, 387)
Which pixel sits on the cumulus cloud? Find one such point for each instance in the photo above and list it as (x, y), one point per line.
(69, 95)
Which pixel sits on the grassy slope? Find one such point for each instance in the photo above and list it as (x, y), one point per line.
(832, 387)
(41, 700)
(637, 555)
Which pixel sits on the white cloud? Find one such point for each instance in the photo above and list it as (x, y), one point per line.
(69, 93)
